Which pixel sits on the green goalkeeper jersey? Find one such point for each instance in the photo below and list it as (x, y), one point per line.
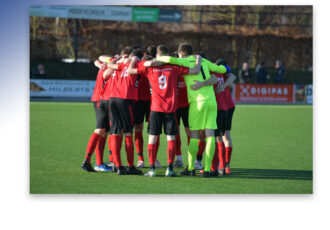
(205, 92)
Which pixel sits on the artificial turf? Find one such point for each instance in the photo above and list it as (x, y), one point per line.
(272, 153)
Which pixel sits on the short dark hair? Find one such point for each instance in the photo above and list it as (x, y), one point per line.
(162, 50)
(137, 52)
(186, 49)
(221, 62)
(175, 54)
(151, 50)
(202, 55)
(126, 51)
(147, 58)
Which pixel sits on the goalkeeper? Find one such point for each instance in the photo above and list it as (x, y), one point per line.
(202, 105)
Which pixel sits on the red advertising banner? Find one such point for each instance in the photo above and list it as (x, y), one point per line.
(264, 93)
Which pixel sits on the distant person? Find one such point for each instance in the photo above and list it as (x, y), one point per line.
(244, 74)
(261, 74)
(40, 72)
(279, 74)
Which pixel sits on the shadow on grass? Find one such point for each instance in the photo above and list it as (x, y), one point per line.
(270, 174)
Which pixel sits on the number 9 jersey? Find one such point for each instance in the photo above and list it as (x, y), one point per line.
(164, 84)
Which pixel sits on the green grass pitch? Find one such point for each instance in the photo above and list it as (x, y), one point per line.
(272, 153)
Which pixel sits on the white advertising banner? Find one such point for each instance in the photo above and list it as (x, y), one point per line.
(61, 88)
(112, 13)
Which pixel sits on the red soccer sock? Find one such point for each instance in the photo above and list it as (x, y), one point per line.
(157, 145)
(201, 148)
(228, 154)
(138, 139)
(215, 161)
(178, 145)
(222, 154)
(99, 151)
(110, 151)
(129, 147)
(152, 151)
(171, 146)
(116, 146)
(91, 146)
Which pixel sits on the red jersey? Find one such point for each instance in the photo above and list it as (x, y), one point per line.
(182, 93)
(124, 85)
(98, 86)
(164, 84)
(220, 97)
(144, 87)
(106, 89)
(229, 99)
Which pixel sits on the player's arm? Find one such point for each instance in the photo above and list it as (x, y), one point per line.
(199, 84)
(107, 73)
(197, 66)
(112, 64)
(105, 58)
(98, 64)
(173, 60)
(230, 80)
(131, 70)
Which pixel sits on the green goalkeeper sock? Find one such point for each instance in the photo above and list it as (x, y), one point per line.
(192, 152)
(209, 152)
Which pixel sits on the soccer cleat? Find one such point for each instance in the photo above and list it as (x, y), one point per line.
(222, 172)
(170, 173)
(214, 173)
(140, 164)
(206, 174)
(121, 170)
(186, 172)
(102, 168)
(228, 170)
(198, 165)
(133, 171)
(110, 164)
(87, 166)
(151, 173)
(157, 164)
(178, 164)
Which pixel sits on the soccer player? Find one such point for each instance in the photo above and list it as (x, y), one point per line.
(222, 120)
(98, 139)
(181, 113)
(164, 84)
(202, 105)
(231, 108)
(142, 108)
(124, 95)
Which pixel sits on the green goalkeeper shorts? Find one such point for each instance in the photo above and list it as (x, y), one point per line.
(203, 114)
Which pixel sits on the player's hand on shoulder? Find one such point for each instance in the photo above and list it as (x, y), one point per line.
(197, 85)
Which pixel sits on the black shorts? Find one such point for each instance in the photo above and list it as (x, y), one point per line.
(121, 115)
(230, 118)
(141, 109)
(222, 120)
(183, 113)
(157, 120)
(102, 115)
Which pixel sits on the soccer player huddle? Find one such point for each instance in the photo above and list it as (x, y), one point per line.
(163, 90)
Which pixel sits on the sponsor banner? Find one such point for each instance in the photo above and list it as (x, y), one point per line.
(304, 94)
(264, 93)
(61, 88)
(112, 13)
(170, 15)
(141, 14)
